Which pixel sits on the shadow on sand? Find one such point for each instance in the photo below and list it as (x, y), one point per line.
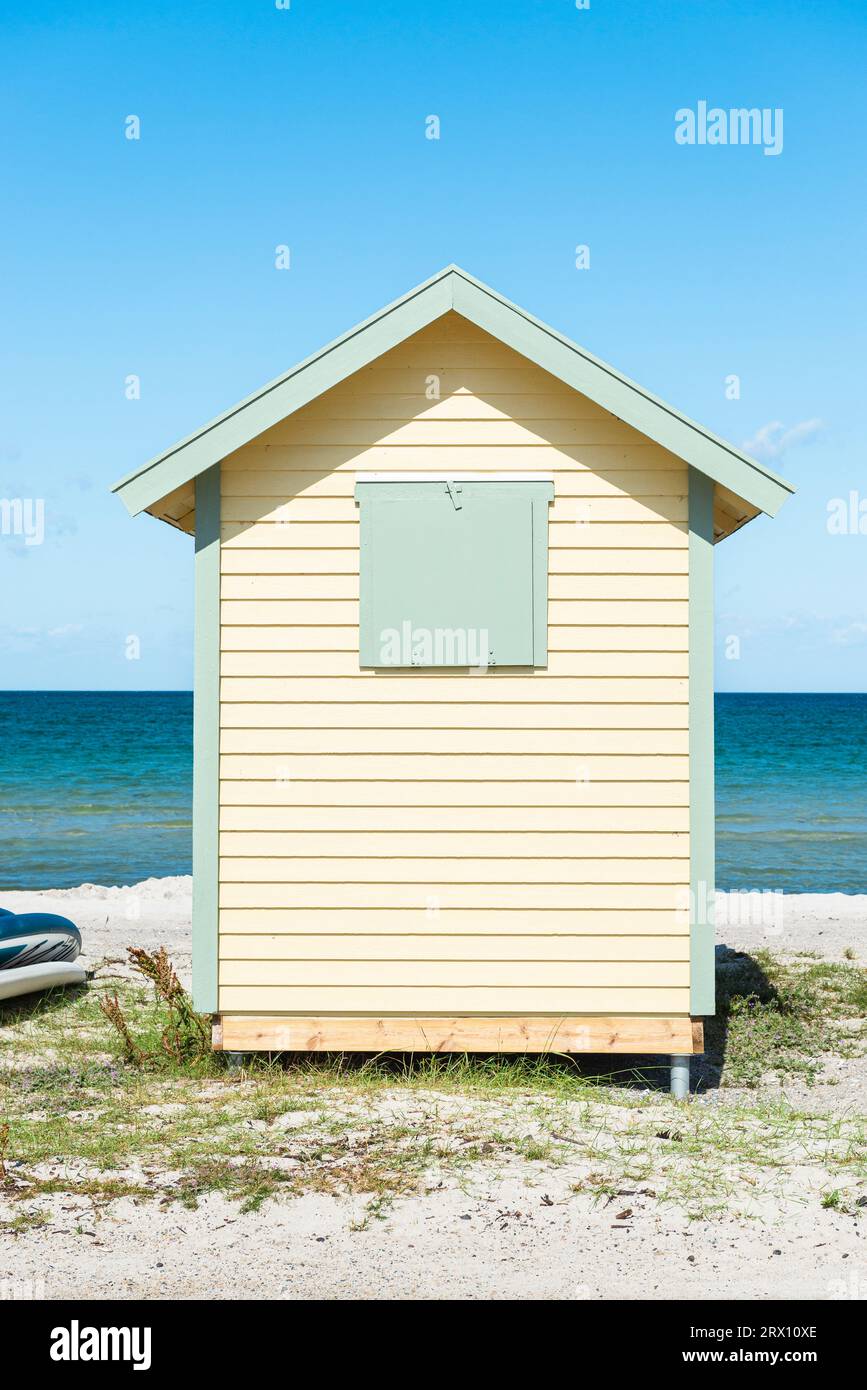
(27, 1007)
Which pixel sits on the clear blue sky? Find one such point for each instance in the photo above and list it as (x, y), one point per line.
(306, 126)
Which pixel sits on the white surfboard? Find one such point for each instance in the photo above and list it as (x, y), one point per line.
(52, 974)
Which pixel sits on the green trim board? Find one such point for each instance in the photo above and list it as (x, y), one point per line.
(454, 289)
(206, 741)
(701, 748)
(454, 572)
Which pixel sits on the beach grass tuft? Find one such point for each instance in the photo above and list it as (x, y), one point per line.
(182, 1037)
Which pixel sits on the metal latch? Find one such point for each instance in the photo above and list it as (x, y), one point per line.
(454, 491)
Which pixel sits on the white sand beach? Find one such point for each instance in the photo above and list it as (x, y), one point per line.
(517, 1228)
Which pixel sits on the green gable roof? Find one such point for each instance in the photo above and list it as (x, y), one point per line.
(454, 289)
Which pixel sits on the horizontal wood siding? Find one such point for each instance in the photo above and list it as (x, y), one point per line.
(435, 842)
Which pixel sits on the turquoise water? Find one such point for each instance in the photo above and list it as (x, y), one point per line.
(97, 788)
(94, 788)
(791, 784)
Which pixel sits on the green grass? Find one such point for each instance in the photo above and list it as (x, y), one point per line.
(175, 1126)
(783, 1017)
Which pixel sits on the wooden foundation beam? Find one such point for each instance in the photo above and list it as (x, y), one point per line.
(285, 1033)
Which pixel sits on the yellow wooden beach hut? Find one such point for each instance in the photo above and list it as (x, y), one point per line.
(453, 779)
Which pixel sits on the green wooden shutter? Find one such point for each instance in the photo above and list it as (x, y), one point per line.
(453, 574)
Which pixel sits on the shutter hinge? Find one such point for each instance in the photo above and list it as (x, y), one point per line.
(454, 491)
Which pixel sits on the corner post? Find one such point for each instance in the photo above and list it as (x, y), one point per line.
(680, 1078)
(206, 741)
(701, 750)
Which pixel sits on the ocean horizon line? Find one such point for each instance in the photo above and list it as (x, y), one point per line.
(188, 690)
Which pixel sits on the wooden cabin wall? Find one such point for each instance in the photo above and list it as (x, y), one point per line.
(408, 842)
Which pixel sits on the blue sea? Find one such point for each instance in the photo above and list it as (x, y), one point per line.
(98, 788)
(94, 787)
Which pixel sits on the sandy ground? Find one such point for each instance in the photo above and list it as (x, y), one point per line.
(519, 1233)
(827, 924)
(506, 1243)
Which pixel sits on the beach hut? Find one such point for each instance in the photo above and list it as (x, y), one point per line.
(453, 782)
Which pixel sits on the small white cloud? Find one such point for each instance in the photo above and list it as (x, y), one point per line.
(66, 631)
(853, 635)
(773, 439)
